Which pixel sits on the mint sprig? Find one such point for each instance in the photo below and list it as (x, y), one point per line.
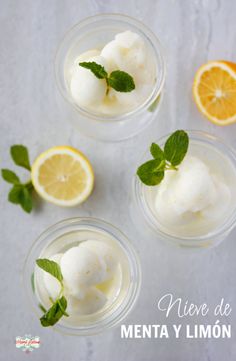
(20, 193)
(58, 308)
(152, 172)
(118, 80)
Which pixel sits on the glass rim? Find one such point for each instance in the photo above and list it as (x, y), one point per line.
(155, 44)
(224, 228)
(130, 299)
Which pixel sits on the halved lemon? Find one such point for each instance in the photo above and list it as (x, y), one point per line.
(214, 91)
(63, 175)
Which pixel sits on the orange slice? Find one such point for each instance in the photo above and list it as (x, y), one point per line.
(214, 91)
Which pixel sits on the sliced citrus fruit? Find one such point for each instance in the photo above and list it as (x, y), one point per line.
(63, 175)
(214, 91)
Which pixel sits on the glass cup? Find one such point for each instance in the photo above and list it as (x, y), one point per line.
(95, 32)
(71, 232)
(212, 150)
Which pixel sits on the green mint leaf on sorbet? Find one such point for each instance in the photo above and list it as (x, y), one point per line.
(121, 81)
(152, 172)
(51, 267)
(62, 305)
(55, 313)
(156, 151)
(97, 69)
(118, 80)
(176, 147)
(20, 156)
(10, 176)
(58, 309)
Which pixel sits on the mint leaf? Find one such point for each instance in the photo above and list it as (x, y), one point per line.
(51, 267)
(176, 147)
(151, 173)
(10, 176)
(54, 313)
(20, 156)
(14, 196)
(97, 69)
(62, 305)
(157, 152)
(26, 201)
(121, 81)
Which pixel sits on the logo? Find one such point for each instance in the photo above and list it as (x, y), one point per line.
(27, 343)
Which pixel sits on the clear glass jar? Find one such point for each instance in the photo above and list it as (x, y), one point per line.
(210, 149)
(95, 32)
(66, 234)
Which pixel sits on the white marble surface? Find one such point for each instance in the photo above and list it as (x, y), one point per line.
(192, 32)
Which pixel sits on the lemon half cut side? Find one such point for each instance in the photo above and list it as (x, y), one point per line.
(63, 175)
